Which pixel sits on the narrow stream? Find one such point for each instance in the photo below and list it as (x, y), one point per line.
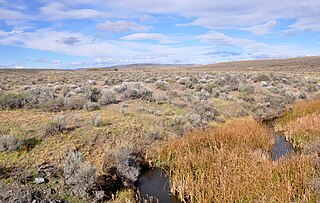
(154, 187)
(281, 148)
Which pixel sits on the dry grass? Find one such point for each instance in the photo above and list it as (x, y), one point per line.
(300, 109)
(303, 130)
(231, 164)
(302, 124)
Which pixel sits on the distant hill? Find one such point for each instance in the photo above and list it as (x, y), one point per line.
(307, 64)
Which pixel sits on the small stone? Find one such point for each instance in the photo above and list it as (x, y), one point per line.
(264, 84)
(39, 180)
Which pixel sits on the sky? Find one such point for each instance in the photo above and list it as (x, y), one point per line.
(96, 33)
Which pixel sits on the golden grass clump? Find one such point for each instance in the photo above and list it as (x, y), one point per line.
(302, 124)
(232, 164)
(300, 109)
(303, 130)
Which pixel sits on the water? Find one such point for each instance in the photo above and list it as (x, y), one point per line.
(155, 183)
(281, 148)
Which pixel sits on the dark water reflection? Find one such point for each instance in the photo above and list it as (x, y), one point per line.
(155, 183)
(281, 148)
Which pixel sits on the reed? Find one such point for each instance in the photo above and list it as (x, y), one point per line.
(231, 164)
(299, 109)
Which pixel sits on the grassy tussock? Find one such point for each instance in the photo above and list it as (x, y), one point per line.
(300, 109)
(302, 124)
(231, 164)
(303, 130)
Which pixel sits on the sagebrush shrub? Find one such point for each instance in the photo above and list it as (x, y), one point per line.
(91, 106)
(108, 97)
(12, 100)
(92, 93)
(128, 165)
(80, 175)
(9, 143)
(58, 124)
(97, 121)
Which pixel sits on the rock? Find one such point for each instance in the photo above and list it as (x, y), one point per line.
(264, 84)
(183, 81)
(70, 94)
(57, 88)
(39, 180)
(92, 82)
(147, 80)
(284, 80)
(79, 90)
(73, 86)
(202, 81)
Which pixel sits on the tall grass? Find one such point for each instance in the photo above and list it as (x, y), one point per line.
(299, 109)
(302, 124)
(232, 164)
(303, 130)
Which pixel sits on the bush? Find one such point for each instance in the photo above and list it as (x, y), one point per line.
(74, 103)
(248, 89)
(108, 97)
(9, 143)
(12, 101)
(91, 106)
(52, 104)
(92, 93)
(128, 165)
(153, 135)
(97, 121)
(55, 126)
(162, 85)
(136, 90)
(80, 175)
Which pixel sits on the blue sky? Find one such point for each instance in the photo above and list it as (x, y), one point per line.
(93, 33)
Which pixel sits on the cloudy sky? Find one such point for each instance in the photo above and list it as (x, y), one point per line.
(92, 33)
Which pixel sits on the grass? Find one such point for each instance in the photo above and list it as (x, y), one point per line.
(231, 164)
(299, 109)
(302, 124)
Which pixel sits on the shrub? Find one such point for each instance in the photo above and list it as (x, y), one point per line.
(136, 90)
(74, 103)
(153, 135)
(91, 106)
(128, 165)
(57, 125)
(12, 100)
(80, 175)
(260, 77)
(247, 89)
(97, 121)
(9, 143)
(162, 85)
(108, 97)
(92, 93)
(52, 104)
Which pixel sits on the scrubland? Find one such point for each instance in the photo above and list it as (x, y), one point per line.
(86, 135)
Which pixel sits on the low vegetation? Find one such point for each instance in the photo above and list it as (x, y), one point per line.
(231, 164)
(86, 136)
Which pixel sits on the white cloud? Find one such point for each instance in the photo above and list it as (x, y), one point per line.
(56, 10)
(120, 26)
(220, 39)
(163, 39)
(56, 62)
(8, 14)
(262, 29)
(213, 14)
